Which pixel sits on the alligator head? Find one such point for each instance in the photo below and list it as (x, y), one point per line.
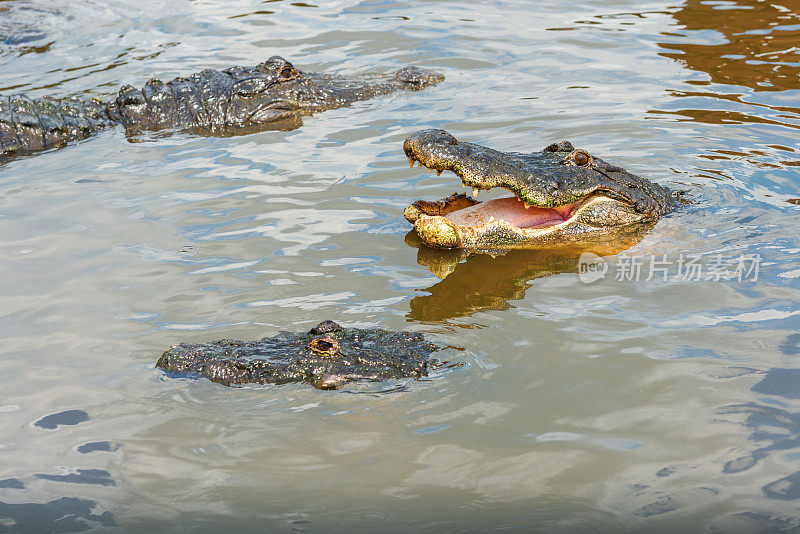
(562, 196)
(276, 89)
(328, 356)
(247, 98)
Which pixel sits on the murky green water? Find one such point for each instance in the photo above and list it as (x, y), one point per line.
(620, 405)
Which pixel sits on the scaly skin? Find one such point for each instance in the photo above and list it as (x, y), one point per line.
(236, 100)
(577, 199)
(328, 356)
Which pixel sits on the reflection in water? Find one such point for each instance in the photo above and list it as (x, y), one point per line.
(21, 27)
(777, 430)
(747, 43)
(757, 43)
(773, 428)
(482, 282)
(475, 282)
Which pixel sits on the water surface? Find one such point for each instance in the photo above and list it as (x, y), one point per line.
(646, 406)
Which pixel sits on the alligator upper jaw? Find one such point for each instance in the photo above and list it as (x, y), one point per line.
(542, 179)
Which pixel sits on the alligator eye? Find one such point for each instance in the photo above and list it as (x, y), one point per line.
(327, 346)
(581, 158)
(288, 72)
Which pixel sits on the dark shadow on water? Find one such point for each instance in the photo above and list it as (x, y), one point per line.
(12, 483)
(98, 446)
(67, 418)
(776, 429)
(782, 382)
(99, 477)
(791, 346)
(67, 514)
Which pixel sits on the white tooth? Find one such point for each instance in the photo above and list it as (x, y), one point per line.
(527, 206)
(475, 192)
(491, 219)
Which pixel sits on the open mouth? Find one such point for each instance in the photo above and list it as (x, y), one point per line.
(562, 196)
(463, 211)
(513, 211)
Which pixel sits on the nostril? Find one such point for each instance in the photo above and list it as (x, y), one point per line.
(330, 382)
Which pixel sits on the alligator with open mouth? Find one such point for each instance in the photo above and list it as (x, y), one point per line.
(562, 196)
(271, 95)
(327, 357)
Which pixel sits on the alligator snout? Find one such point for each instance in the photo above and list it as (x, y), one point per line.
(330, 381)
(419, 77)
(425, 142)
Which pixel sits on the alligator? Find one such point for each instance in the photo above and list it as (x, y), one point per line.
(562, 196)
(271, 95)
(327, 357)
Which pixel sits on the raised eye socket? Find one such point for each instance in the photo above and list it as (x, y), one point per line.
(581, 158)
(324, 345)
(287, 72)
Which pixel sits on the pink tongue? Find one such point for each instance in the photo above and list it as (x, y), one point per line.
(510, 209)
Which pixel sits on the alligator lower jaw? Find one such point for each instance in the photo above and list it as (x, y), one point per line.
(495, 224)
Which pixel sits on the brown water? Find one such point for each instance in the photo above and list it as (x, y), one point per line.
(649, 406)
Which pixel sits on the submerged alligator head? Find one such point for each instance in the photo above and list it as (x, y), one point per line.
(562, 196)
(271, 95)
(249, 97)
(328, 356)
